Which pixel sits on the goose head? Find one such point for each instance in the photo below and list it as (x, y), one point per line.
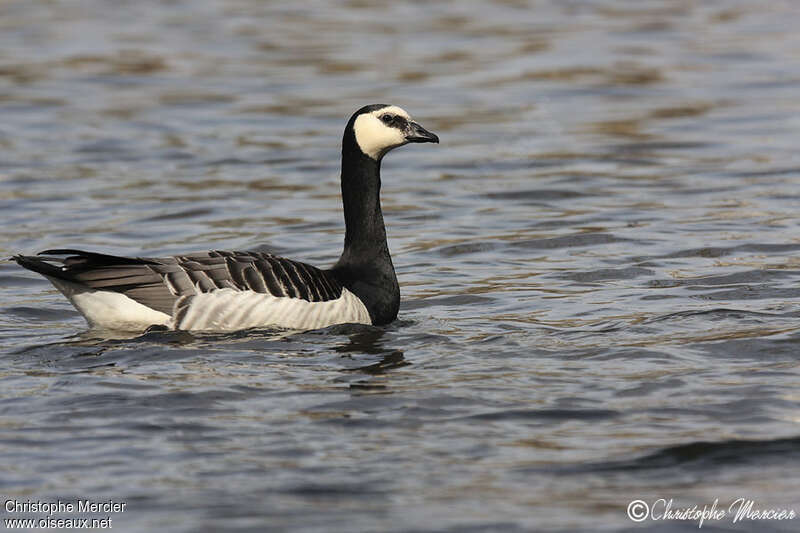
(379, 128)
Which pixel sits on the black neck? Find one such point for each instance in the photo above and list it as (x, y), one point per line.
(365, 233)
(365, 266)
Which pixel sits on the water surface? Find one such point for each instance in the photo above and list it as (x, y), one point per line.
(599, 263)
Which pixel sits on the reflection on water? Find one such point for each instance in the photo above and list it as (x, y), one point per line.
(598, 264)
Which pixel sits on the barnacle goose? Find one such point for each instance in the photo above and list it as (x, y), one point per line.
(227, 291)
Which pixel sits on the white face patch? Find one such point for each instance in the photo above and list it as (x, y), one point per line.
(376, 138)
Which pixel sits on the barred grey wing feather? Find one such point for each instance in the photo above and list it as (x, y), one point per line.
(258, 272)
(271, 282)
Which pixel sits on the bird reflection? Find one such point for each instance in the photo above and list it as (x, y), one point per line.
(368, 341)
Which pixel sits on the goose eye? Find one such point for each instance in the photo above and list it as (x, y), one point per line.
(387, 119)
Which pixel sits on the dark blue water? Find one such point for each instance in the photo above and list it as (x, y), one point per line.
(599, 263)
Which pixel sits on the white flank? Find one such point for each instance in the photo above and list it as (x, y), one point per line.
(108, 309)
(373, 136)
(231, 310)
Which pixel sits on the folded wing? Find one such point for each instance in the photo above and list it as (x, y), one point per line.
(159, 282)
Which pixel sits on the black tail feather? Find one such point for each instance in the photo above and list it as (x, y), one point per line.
(92, 258)
(42, 267)
(76, 262)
